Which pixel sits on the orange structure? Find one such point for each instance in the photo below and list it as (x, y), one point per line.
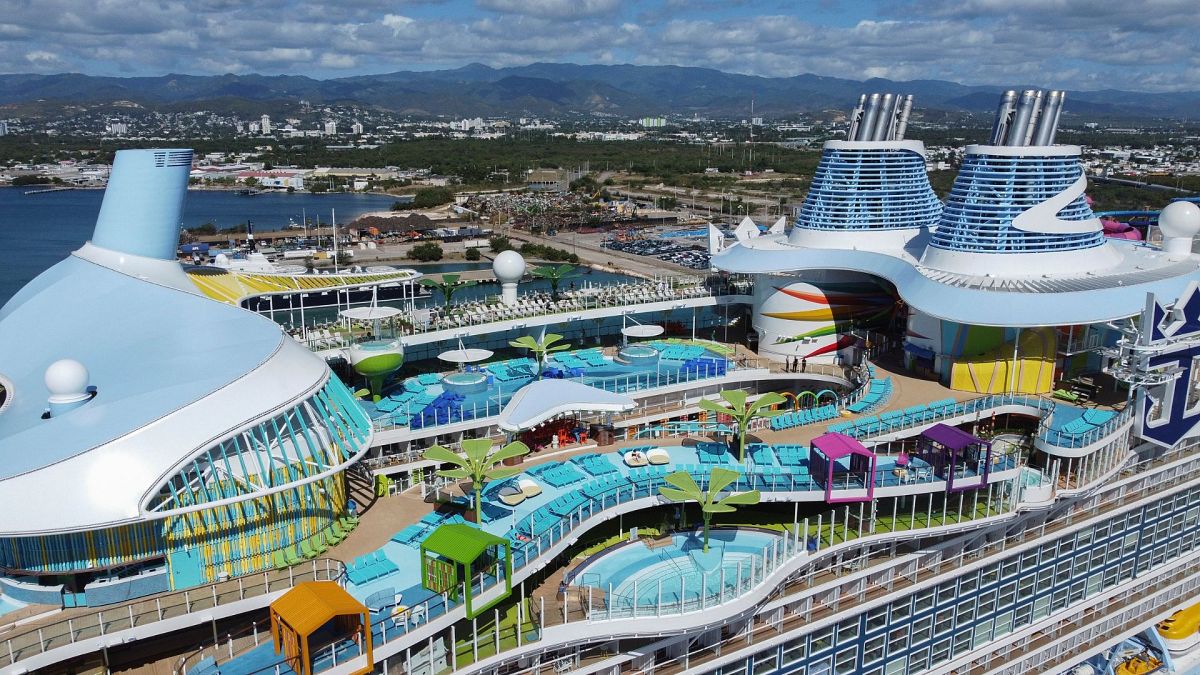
(307, 608)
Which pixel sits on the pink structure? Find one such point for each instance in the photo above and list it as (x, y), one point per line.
(858, 475)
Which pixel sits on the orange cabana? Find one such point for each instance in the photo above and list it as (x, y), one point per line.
(308, 607)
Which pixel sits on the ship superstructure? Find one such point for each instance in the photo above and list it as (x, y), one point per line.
(984, 463)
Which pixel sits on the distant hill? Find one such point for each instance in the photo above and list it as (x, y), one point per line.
(563, 88)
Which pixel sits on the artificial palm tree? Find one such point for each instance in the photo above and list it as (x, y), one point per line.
(686, 490)
(554, 275)
(541, 348)
(743, 411)
(477, 463)
(448, 285)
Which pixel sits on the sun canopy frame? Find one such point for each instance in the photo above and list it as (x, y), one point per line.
(823, 458)
(308, 606)
(449, 557)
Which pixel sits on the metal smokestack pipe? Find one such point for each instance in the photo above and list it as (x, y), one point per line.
(902, 120)
(870, 114)
(1062, 99)
(887, 108)
(1045, 125)
(1003, 114)
(856, 117)
(1034, 116)
(1020, 120)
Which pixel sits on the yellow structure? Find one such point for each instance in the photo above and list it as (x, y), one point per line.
(232, 287)
(305, 609)
(1181, 625)
(994, 370)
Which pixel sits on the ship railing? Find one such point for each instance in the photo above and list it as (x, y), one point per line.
(851, 593)
(38, 638)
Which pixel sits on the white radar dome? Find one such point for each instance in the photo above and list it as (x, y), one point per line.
(1179, 219)
(508, 267)
(67, 380)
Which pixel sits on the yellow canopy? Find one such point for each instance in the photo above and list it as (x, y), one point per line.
(304, 609)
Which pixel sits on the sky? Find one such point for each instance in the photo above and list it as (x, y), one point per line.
(1143, 45)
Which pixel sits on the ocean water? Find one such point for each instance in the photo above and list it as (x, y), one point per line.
(37, 231)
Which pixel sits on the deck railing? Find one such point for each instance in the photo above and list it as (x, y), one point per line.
(42, 637)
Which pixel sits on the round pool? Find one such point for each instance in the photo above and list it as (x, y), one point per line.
(638, 355)
(664, 573)
(465, 383)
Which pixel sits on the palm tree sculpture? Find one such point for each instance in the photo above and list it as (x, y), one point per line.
(686, 490)
(478, 463)
(554, 275)
(448, 285)
(743, 411)
(541, 348)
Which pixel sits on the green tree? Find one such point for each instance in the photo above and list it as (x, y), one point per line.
(743, 411)
(251, 182)
(541, 348)
(426, 252)
(473, 254)
(686, 490)
(448, 284)
(478, 463)
(499, 243)
(430, 197)
(554, 275)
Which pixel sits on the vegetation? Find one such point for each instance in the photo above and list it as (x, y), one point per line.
(499, 243)
(541, 348)
(21, 181)
(448, 284)
(472, 254)
(539, 252)
(478, 463)
(686, 490)
(743, 411)
(426, 198)
(555, 275)
(426, 252)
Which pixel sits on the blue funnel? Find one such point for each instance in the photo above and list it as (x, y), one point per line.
(143, 203)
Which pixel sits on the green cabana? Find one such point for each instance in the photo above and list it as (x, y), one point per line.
(459, 552)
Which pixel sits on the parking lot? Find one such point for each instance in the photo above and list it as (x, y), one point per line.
(685, 256)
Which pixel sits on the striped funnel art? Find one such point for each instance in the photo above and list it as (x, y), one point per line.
(810, 318)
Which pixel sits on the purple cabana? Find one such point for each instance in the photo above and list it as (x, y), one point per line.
(957, 457)
(823, 458)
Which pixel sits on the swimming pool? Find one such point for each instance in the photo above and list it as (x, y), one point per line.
(7, 605)
(677, 573)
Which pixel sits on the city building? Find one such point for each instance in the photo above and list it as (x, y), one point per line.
(264, 125)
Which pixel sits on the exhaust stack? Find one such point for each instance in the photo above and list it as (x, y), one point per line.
(143, 203)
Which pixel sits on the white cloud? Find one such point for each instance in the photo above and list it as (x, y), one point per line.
(1062, 43)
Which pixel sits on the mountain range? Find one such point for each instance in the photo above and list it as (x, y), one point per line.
(562, 89)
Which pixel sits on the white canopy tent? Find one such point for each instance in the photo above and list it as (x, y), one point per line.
(546, 399)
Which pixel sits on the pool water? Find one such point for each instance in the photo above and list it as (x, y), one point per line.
(680, 569)
(7, 605)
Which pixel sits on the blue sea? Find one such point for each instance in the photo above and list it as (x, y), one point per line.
(37, 231)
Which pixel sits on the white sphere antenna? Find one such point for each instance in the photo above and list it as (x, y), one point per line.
(67, 380)
(508, 267)
(1179, 223)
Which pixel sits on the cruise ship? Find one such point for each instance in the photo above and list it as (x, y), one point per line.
(965, 441)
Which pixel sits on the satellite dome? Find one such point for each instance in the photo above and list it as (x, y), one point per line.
(221, 260)
(508, 267)
(1179, 219)
(67, 380)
